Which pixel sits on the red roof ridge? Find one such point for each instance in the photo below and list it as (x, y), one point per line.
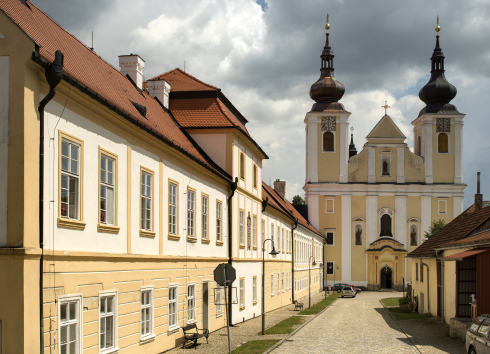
(220, 106)
(187, 74)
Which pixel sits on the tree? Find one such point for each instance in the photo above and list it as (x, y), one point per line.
(435, 227)
(297, 200)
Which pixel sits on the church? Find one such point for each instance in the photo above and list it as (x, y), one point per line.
(374, 207)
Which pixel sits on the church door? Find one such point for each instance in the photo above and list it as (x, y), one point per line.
(386, 278)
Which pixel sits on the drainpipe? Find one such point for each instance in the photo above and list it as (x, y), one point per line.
(422, 264)
(292, 256)
(233, 187)
(54, 74)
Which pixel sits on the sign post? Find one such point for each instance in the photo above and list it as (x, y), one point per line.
(225, 275)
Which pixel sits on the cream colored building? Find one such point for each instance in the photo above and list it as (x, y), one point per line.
(374, 206)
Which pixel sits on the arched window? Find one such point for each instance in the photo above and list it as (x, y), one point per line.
(442, 143)
(328, 141)
(242, 165)
(386, 225)
(419, 146)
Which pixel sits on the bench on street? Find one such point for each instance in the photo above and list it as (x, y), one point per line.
(298, 305)
(190, 336)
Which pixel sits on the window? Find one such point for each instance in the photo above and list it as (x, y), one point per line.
(329, 204)
(263, 230)
(191, 197)
(254, 291)
(278, 283)
(484, 329)
(107, 191)
(385, 165)
(146, 312)
(416, 271)
(328, 141)
(358, 234)
(421, 272)
(219, 299)
(442, 143)
(204, 217)
(218, 221)
(272, 233)
(330, 238)
(241, 228)
(70, 180)
(442, 203)
(330, 268)
(172, 208)
(255, 176)
(282, 246)
(242, 165)
(386, 225)
(191, 303)
(278, 238)
(242, 293)
(272, 284)
(282, 282)
(70, 326)
(254, 231)
(173, 305)
(413, 235)
(146, 200)
(107, 320)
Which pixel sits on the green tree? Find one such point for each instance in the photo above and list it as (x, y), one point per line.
(297, 200)
(435, 227)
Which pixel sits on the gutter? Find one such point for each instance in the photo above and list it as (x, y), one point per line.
(233, 187)
(54, 74)
(428, 297)
(292, 257)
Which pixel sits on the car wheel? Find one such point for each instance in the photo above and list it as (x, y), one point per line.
(338, 291)
(341, 295)
(472, 351)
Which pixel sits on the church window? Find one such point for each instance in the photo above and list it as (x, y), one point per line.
(416, 271)
(413, 235)
(330, 237)
(328, 141)
(358, 234)
(442, 203)
(442, 143)
(419, 145)
(242, 165)
(255, 176)
(385, 165)
(386, 225)
(329, 205)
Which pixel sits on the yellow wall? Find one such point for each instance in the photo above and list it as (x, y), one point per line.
(359, 171)
(392, 177)
(443, 164)
(414, 167)
(332, 221)
(449, 209)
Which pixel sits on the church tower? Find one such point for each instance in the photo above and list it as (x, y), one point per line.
(375, 206)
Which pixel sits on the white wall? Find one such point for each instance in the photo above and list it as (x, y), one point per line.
(214, 145)
(4, 140)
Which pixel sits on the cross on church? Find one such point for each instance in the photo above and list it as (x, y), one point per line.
(386, 108)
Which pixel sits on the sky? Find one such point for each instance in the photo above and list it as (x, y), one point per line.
(265, 55)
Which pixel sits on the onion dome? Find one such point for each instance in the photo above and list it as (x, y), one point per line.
(327, 90)
(438, 92)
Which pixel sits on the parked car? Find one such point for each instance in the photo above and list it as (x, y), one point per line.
(478, 336)
(338, 287)
(348, 291)
(357, 290)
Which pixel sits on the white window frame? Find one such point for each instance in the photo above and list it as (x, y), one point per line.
(333, 238)
(69, 174)
(77, 299)
(326, 205)
(151, 334)
(448, 143)
(105, 185)
(263, 230)
(173, 208)
(191, 303)
(278, 239)
(272, 284)
(174, 301)
(389, 165)
(103, 295)
(242, 293)
(254, 290)
(272, 234)
(191, 213)
(254, 228)
(219, 300)
(242, 228)
(205, 217)
(283, 243)
(146, 198)
(278, 283)
(334, 142)
(439, 200)
(282, 282)
(219, 225)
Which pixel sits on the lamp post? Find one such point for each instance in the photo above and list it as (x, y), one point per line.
(273, 253)
(309, 278)
(330, 268)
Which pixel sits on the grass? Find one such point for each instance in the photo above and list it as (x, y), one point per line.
(320, 306)
(285, 326)
(395, 301)
(402, 314)
(255, 346)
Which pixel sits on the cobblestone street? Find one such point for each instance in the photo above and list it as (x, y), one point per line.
(362, 325)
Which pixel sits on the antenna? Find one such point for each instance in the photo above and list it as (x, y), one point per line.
(184, 65)
(92, 48)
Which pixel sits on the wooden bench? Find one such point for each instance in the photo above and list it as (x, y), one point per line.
(298, 305)
(190, 336)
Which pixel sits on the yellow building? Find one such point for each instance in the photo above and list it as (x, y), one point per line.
(373, 207)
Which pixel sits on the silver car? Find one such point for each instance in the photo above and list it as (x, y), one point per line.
(348, 291)
(477, 336)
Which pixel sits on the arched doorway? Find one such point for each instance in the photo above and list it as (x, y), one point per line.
(386, 277)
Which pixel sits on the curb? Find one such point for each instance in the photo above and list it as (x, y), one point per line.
(410, 338)
(298, 329)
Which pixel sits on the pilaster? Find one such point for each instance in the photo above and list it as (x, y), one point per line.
(371, 164)
(314, 210)
(401, 219)
(458, 206)
(427, 127)
(344, 149)
(312, 149)
(426, 215)
(346, 238)
(458, 151)
(371, 219)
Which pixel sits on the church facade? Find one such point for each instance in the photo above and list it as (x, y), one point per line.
(375, 206)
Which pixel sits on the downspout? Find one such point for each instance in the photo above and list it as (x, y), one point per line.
(54, 74)
(440, 256)
(233, 187)
(292, 256)
(422, 264)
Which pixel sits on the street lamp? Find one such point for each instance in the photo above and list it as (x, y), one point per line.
(330, 268)
(309, 279)
(273, 253)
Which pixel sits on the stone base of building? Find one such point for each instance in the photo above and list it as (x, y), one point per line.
(458, 327)
(377, 287)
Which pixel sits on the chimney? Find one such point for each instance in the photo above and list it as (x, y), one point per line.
(133, 66)
(159, 89)
(478, 196)
(280, 188)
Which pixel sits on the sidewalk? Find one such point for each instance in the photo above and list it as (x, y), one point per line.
(245, 331)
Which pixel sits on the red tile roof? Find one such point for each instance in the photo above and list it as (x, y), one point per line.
(181, 81)
(84, 66)
(285, 207)
(482, 237)
(457, 229)
(465, 254)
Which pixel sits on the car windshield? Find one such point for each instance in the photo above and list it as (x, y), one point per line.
(476, 324)
(484, 328)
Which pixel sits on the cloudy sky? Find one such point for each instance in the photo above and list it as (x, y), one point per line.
(264, 55)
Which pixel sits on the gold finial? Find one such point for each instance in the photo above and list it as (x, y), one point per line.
(386, 108)
(438, 28)
(327, 26)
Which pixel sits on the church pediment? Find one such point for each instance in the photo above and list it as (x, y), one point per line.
(386, 130)
(383, 243)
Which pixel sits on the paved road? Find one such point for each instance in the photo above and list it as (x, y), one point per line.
(359, 325)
